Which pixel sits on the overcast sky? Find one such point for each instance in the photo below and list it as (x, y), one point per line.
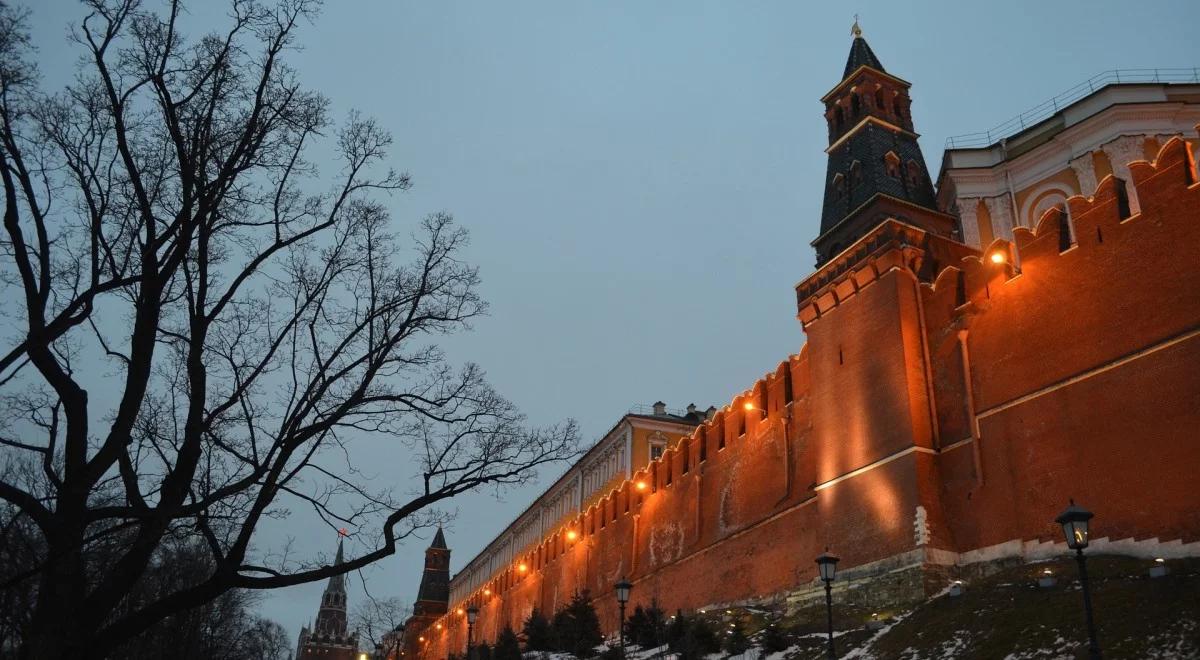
(642, 179)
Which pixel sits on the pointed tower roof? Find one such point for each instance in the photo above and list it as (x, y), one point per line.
(876, 170)
(337, 583)
(439, 540)
(860, 53)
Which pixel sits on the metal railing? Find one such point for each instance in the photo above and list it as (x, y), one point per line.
(639, 409)
(1051, 107)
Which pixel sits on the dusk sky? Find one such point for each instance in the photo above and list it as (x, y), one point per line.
(642, 180)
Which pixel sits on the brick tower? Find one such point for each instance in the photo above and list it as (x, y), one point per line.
(433, 596)
(328, 639)
(871, 384)
(875, 169)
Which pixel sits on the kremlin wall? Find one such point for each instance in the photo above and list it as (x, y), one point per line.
(949, 400)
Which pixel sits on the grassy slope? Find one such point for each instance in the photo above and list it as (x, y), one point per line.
(1007, 615)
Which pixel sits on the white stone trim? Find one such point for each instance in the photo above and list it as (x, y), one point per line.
(1085, 171)
(968, 215)
(1027, 218)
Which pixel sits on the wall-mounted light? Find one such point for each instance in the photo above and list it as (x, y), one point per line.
(998, 257)
(641, 485)
(572, 535)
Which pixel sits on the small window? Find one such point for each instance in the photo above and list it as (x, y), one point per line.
(891, 164)
(914, 173)
(839, 186)
(839, 119)
(855, 174)
(879, 99)
(685, 455)
(656, 450)
(855, 106)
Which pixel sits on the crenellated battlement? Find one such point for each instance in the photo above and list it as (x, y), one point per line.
(1068, 238)
(946, 404)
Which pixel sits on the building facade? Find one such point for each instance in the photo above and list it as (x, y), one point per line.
(953, 392)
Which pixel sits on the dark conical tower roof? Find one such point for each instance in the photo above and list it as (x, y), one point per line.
(439, 540)
(861, 55)
(876, 170)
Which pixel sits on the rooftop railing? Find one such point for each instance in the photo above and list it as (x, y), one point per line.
(1050, 108)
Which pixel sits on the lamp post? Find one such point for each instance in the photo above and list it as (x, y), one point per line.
(1074, 521)
(622, 588)
(472, 614)
(827, 565)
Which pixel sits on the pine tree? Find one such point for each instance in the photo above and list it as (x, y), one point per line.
(537, 632)
(700, 640)
(676, 631)
(656, 623)
(636, 626)
(577, 628)
(774, 639)
(736, 642)
(482, 651)
(507, 647)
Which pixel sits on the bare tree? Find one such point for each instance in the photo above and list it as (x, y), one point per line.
(203, 326)
(378, 621)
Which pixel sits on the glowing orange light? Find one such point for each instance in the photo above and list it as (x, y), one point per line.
(748, 406)
(641, 485)
(487, 592)
(572, 535)
(522, 567)
(439, 626)
(422, 639)
(998, 258)
(460, 611)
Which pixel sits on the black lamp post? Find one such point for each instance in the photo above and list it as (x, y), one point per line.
(472, 614)
(622, 588)
(1074, 521)
(827, 564)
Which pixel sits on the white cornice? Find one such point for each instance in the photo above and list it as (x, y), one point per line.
(1053, 156)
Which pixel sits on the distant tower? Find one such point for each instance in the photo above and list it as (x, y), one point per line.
(328, 639)
(433, 596)
(876, 169)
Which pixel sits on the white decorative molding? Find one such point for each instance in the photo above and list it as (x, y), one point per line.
(968, 213)
(990, 172)
(921, 526)
(1000, 210)
(1085, 171)
(1031, 214)
(1121, 152)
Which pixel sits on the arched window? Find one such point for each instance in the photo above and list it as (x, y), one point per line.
(879, 99)
(855, 174)
(839, 118)
(897, 109)
(855, 106)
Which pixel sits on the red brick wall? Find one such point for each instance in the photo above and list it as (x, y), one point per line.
(1075, 386)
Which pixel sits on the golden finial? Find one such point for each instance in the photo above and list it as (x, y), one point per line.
(855, 30)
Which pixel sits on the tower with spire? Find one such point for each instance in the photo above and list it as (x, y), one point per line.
(328, 638)
(433, 596)
(876, 170)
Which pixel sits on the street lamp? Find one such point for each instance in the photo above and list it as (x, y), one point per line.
(622, 588)
(472, 614)
(1074, 521)
(827, 565)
